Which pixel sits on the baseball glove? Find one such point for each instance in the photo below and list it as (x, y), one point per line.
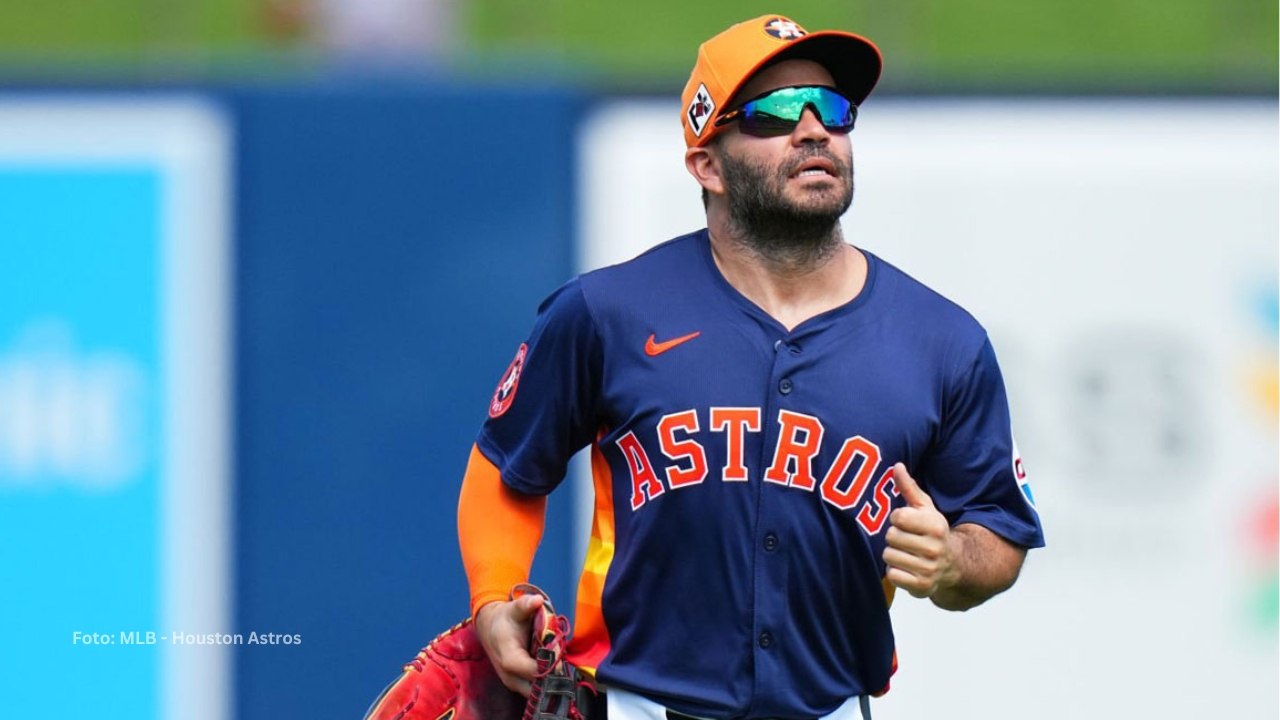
(453, 679)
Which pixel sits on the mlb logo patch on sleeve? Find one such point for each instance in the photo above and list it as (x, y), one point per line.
(1020, 472)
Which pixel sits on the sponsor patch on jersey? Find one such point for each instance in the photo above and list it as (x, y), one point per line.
(506, 392)
(700, 110)
(1020, 472)
(784, 29)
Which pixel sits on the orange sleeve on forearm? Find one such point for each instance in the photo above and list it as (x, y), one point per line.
(498, 531)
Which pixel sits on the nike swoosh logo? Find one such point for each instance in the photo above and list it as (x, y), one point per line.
(652, 348)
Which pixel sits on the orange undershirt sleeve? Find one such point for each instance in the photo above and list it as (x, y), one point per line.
(498, 531)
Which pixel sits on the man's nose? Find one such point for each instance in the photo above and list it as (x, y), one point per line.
(810, 129)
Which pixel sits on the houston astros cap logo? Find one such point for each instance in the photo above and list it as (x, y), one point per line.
(784, 29)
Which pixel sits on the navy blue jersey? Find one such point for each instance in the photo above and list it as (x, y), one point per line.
(743, 473)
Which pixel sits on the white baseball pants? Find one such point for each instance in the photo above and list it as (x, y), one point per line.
(625, 705)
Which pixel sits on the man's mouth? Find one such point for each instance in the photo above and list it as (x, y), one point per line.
(816, 167)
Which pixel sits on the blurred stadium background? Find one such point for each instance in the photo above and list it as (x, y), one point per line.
(261, 262)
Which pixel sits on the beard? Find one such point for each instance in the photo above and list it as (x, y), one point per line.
(787, 233)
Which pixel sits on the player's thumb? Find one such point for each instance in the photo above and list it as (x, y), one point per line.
(527, 605)
(909, 489)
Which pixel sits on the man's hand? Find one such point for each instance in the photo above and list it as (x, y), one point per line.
(505, 629)
(921, 550)
(955, 567)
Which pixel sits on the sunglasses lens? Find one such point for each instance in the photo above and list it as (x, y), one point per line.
(781, 110)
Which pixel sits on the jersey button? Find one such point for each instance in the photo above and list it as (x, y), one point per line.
(770, 542)
(784, 387)
(766, 639)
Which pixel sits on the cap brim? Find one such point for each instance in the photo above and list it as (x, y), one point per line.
(853, 61)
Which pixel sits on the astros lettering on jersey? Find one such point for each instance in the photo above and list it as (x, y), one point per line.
(742, 472)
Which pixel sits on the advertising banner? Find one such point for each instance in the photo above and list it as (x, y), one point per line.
(113, 411)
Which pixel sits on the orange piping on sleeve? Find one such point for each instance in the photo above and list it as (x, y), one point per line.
(498, 531)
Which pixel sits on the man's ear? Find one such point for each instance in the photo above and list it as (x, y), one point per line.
(703, 163)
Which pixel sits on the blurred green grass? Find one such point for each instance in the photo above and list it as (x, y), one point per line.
(1117, 44)
(40, 29)
(1104, 45)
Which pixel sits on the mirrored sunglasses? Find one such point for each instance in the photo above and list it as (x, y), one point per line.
(777, 112)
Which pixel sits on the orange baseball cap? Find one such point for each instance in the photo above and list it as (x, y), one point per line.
(726, 61)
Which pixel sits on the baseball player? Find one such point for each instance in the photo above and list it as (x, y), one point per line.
(784, 428)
